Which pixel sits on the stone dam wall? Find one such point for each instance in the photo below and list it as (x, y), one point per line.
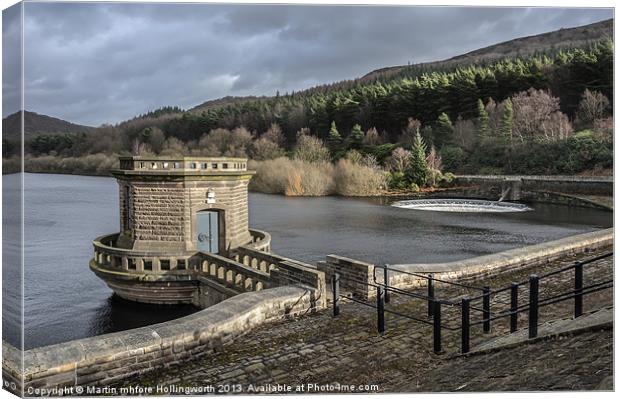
(554, 189)
(353, 272)
(109, 358)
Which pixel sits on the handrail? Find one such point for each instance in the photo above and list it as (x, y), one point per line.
(552, 273)
(427, 277)
(435, 303)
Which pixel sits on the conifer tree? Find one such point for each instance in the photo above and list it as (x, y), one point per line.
(334, 139)
(443, 131)
(356, 136)
(418, 171)
(505, 127)
(482, 121)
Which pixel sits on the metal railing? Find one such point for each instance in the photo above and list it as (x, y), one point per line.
(434, 316)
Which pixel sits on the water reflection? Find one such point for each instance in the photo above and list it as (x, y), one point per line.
(116, 314)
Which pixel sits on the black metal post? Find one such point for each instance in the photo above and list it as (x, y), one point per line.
(431, 294)
(578, 289)
(465, 325)
(514, 304)
(533, 317)
(486, 309)
(386, 282)
(437, 326)
(336, 293)
(380, 310)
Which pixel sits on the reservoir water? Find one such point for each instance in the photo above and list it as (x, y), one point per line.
(64, 300)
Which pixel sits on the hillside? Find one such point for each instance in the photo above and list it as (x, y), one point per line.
(224, 101)
(580, 36)
(35, 124)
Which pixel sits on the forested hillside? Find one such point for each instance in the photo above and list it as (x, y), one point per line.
(35, 124)
(548, 113)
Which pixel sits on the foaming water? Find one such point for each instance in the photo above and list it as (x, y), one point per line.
(461, 205)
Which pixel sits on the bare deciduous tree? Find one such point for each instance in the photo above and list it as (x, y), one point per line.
(399, 160)
(593, 106)
(372, 137)
(537, 116)
(408, 134)
(465, 133)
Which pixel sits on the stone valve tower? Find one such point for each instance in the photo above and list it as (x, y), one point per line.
(174, 212)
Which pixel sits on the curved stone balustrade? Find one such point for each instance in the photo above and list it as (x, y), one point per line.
(142, 262)
(261, 240)
(108, 256)
(138, 275)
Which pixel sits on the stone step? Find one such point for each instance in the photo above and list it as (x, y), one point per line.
(595, 319)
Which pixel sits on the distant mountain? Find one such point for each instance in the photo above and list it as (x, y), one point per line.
(581, 36)
(35, 124)
(222, 102)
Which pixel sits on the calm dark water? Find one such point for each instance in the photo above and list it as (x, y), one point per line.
(64, 300)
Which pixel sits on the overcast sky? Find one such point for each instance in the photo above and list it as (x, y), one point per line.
(104, 63)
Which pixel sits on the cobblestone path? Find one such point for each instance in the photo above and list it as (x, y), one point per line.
(321, 349)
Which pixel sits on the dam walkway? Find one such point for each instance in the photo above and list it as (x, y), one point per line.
(345, 354)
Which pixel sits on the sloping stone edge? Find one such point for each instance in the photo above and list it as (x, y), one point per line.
(527, 256)
(113, 357)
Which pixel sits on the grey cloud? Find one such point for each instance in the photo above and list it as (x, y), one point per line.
(95, 63)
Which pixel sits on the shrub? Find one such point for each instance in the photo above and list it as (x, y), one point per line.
(397, 180)
(316, 179)
(381, 152)
(357, 180)
(263, 149)
(271, 175)
(453, 157)
(292, 177)
(92, 164)
(353, 156)
(310, 149)
(445, 179)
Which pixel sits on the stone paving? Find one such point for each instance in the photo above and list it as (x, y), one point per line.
(347, 352)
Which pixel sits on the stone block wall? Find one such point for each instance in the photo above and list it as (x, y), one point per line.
(162, 215)
(492, 186)
(110, 358)
(293, 272)
(493, 264)
(158, 211)
(231, 196)
(355, 275)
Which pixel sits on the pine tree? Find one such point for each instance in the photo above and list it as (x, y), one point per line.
(418, 171)
(334, 139)
(443, 131)
(482, 121)
(505, 127)
(356, 137)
